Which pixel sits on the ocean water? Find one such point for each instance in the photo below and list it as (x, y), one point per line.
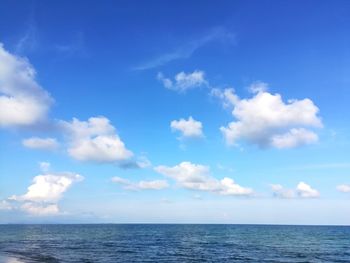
(173, 243)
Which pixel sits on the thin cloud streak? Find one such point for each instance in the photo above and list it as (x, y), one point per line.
(186, 50)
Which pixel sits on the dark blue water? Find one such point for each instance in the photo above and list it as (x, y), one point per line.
(174, 243)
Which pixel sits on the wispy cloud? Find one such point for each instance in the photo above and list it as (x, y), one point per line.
(28, 41)
(141, 185)
(188, 48)
(76, 46)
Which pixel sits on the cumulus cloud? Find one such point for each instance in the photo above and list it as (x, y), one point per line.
(41, 143)
(183, 81)
(23, 101)
(344, 188)
(197, 177)
(267, 121)
(293, 138)
(302, 190)
(188, 128)
(95, 140)
(141, 185)
(306, 191)
(43, 194)
(49, 187)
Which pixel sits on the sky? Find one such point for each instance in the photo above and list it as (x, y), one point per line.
(175, 112)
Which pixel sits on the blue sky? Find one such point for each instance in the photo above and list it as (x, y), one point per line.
(160, 111)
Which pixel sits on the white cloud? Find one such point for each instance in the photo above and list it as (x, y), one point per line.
(49, 187)
(41, 143)
(345, 188)
(229, 187)
(23, 101)
(267, 121)
(227, 96)
(293, 138)
(183, 81)
(280, 192)
(40, 209)
(306, 191)
(96, 140)
(189, 128)
(258, 86)
(141, 185)
(197, 177)
(44, 193)
(302, 190)
(155, 185)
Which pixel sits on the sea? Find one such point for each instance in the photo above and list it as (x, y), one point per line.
(173, 243)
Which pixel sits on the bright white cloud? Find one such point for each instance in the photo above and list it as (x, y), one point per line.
(344, 188)
(40, 209)
(306, 191)
(294, 138)
(49, 187)
(197, 177)
(189, 128)
(96, 140)
(229, 187)
(302, 190)
(23, 101)
(44, 193)
(141, 185)
(41, 143)
(267, 121)
(183, 81)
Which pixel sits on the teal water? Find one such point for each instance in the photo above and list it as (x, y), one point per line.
(173, 243)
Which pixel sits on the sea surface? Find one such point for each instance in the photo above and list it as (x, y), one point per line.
(173, 243)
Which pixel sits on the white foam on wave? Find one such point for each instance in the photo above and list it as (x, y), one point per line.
(6, 259)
